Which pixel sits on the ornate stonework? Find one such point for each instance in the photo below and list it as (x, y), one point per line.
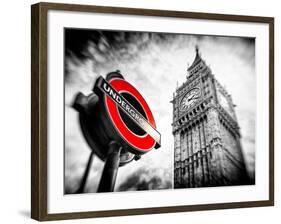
(207, 148)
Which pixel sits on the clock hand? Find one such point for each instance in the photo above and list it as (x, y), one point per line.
(192, 97)
(189, 99)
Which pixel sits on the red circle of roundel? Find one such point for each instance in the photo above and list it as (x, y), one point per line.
(143, 143)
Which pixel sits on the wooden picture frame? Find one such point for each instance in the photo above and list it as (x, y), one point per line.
(39, 109)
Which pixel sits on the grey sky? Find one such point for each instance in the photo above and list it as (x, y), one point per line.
(154, 63)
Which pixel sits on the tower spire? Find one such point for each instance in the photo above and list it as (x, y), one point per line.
(197, 59)
(197, 49)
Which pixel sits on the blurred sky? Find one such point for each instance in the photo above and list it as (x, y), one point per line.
(153, 63)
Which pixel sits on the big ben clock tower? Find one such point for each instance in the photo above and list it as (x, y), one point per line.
(207, 148)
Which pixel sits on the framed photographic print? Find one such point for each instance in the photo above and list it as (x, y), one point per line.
(138, 111)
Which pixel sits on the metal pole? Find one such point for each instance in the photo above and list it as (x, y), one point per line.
(86, 174)
(110, 169)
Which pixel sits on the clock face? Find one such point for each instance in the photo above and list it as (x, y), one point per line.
(224, 103)
(190, 99)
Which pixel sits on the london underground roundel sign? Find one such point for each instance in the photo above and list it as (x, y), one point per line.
(129, 113)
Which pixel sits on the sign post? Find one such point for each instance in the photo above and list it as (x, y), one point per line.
(110, 169)
(86, 174)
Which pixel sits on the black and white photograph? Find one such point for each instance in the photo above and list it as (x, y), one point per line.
(189, 100)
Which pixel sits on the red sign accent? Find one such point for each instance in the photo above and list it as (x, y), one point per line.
(143, 143)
